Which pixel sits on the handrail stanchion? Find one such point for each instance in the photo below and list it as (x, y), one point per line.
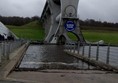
(97, 52)
(108, 54)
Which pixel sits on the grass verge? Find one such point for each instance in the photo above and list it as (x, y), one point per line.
(32, 31)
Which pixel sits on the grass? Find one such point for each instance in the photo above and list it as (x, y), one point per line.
(107, 36)
(33, 31)
(97, 35)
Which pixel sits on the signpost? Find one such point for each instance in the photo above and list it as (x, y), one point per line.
(70, 26)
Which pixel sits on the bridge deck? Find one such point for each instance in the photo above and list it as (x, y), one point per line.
(59, 76)
(64, 76)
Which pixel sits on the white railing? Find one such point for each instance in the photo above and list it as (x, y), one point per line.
(6, 48)
(107, 54)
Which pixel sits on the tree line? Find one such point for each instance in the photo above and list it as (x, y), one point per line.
(18, 21)
(92, 22)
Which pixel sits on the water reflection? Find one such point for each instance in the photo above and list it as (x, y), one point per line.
(50, 57)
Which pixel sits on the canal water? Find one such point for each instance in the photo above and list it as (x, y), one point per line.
(50, 57)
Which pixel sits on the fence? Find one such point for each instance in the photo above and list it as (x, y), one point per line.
(8, 47)
(106, 54)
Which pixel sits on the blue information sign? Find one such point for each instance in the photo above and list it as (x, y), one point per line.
(70, 26)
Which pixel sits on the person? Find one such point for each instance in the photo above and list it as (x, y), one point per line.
(10, 37)
(5, 36)
(1, 37)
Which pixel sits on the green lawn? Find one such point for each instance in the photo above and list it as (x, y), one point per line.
(107, 36)
(34, 34)
(33, 31)
(97, 35)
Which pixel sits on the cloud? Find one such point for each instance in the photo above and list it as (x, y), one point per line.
(104, 10)
(21, 7)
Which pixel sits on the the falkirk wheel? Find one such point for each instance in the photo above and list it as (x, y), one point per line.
(59, 19)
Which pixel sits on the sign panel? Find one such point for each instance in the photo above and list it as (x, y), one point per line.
(70, 26)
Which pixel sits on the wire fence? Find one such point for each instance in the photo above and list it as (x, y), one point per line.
(107, 54)
(6, 48)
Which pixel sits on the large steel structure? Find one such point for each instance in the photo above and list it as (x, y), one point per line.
(60, 17)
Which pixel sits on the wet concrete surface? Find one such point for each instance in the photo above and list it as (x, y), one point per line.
(50, 57)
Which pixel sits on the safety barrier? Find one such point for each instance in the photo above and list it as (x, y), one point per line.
(8, 47)
(106, 54)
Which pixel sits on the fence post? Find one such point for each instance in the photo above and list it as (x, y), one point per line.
(78, 48)
(74, 50)
(3, 49)
(0, 53)
(108, 54)
(97, 52)
(7, 51)
(89, 56)
(69, 48)
(83, 50)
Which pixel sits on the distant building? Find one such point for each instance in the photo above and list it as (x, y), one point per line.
(5, 33)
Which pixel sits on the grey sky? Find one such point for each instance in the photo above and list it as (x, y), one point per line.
(103, 10)
(21, 7)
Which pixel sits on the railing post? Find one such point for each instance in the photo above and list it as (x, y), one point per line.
(7, 51)
(0, 53)
(78, 48)
(83, 50)
(74, 50)
(89, 54)
(69, 47)
(108, 54)
(97, 52)
(3, 49)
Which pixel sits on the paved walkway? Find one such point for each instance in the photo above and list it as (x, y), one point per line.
(64, 76)
(6, 81)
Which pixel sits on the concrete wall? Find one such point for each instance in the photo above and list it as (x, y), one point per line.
(6, 48)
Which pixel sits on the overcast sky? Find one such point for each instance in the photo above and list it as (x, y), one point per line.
(103, 10)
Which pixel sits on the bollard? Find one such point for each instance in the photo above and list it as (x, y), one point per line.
(108, 54)
(89, 54)
(97, 52)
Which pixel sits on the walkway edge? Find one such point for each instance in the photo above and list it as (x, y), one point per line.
(94, 62)
(12, 63)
